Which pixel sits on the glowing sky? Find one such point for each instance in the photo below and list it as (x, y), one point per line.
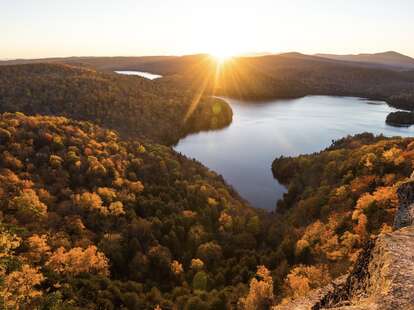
(45, 28)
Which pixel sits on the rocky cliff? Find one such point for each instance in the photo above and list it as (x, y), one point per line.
(383, 276)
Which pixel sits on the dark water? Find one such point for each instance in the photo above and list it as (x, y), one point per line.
(146, 75)
(244, 151)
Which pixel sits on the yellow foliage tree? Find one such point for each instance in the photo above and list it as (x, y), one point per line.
(91, 202)
(302, 279)
(136, 187)
(18, 290)
(28, 201)
(78, 260)
(384, 197)
(107, 194)
(197, 264)
(260, 296)
(8, 242)
(176, 267)
(301, 245)
(38, 248)
(116, 208)
(225, 220)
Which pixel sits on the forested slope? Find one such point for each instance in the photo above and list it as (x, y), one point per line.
(91, 221)
(134, 106)
(336, 200)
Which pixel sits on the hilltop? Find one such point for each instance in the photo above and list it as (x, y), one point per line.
(390, 59)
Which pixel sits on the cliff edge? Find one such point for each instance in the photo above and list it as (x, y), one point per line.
(383, 276)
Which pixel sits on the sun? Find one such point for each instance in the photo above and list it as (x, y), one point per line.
(222, 56)
(223, 52)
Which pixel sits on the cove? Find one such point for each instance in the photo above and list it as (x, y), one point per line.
(243, 152)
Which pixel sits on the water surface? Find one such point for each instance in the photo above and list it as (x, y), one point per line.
(146, 75)
(260, 132)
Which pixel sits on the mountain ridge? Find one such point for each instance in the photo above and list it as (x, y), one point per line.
(388, 58)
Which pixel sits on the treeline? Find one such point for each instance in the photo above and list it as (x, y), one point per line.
(134, 106)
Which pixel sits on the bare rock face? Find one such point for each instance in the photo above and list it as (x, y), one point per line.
(405, 212)
(388, 279)
(391, 270)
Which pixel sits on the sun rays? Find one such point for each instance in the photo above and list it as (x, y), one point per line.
(221, 74)
(208, 73)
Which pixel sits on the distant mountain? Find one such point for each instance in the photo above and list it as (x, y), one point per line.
(389, 59)
(255, 54)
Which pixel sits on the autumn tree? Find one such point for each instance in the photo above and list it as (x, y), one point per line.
(302, 279)
(38, 248)
(260, 294)
(28, 203)
(19, 291)
(78, 260)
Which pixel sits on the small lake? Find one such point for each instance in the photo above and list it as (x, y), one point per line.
(243, 152)
(146, 75)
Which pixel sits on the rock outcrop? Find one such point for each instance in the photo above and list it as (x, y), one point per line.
(405, 213)
(383, 276)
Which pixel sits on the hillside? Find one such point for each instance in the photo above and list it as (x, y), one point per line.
(286, 75)
(388, 59)
(91, 221)
(134, 106)
(336, 200)
(87, 217)
(382, 277)
(319, 76)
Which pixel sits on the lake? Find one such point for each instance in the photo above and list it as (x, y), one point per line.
(146, 75)
(243, 152)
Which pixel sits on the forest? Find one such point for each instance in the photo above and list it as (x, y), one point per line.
(266, 77)
(129, 104)
(98, 212)
(87, 217)
(90, 221)
(340, 197)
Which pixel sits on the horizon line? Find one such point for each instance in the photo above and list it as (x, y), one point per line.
(252, 54)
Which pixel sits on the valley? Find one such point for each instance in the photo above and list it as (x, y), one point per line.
(206, 155)
(103, 179)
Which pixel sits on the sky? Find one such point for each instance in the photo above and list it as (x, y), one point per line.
(57, 28)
